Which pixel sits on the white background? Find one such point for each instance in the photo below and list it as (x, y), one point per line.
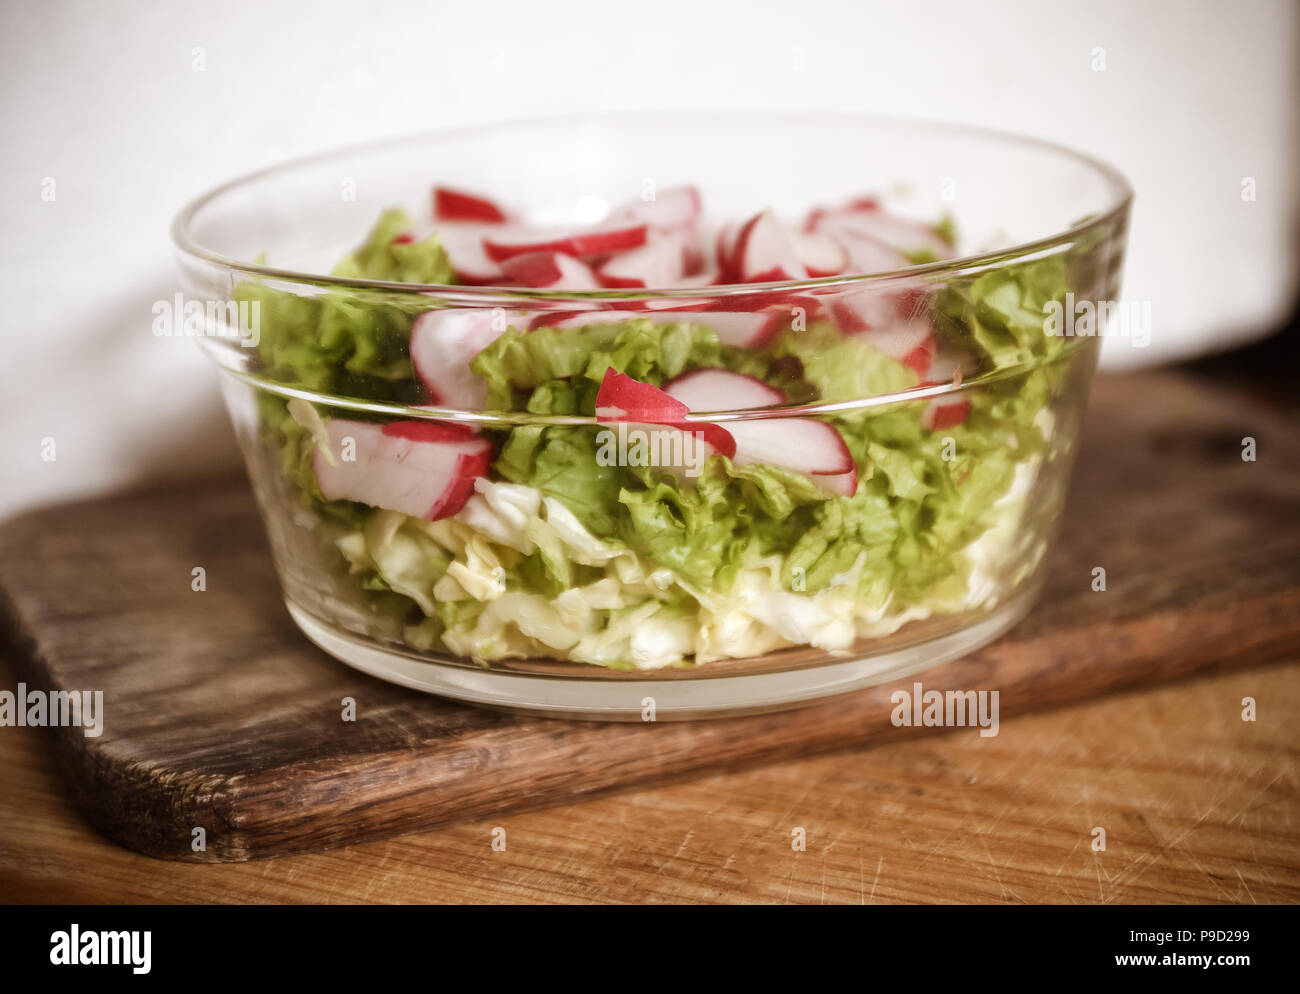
(104, 98)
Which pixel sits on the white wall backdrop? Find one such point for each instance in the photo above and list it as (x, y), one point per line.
(1190, 100)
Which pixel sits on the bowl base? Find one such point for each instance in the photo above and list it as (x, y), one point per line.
(631, 699)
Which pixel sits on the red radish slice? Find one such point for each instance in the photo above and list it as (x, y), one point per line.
(948, 368)
(918, 360)
(621, 398)
(813, 448)
(442, 345)
(695, 281)
(672, 210)
(430, 431)
(722, 390)
(901, 234)
(464, 245)
(455, 205)
(866, 253)
(912, 303)
(580, 319)
(724, 250)
(660, 263)
(766, 253)
(864, 311)
(806, 446)
(744, 329)
(550, 271)
(819, 214)
(944, 412)
(814, 219)
(425, 469)
(910, 342)
(697, 266)
(584, 242)
(843, 484)
(821, 254)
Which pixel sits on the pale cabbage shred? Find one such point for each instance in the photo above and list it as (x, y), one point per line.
(754, 617)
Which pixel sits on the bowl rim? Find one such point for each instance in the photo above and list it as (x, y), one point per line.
(1122, 189)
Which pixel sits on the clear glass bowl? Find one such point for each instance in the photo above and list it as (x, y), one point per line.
(940, 549)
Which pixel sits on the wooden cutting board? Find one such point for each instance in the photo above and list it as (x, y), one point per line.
(219, 715)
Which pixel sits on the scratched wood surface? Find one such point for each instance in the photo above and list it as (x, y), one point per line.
(1208, 589)
(1198, 807)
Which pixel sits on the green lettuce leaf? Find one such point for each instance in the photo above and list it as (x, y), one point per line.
(519, 361)
(353, 343)
(842, 367)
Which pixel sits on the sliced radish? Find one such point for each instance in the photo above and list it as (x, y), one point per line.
(421, 468)
(660, 263)
(948, 368)
(623, 399)
(864, 310)
(724, 250)
(902, 234)
(766, 253)
(910, 342)
(866, 253)
(869, 203)
(603, 239)
(821, 254)
(550, 271)
(912, 303)
(843, 484)
(721, 390)
(818, 214)
(456, 205)
(672, 210)
(695, 281)
(813, 448)
(580, 319)
(464, 245)
(443, 343)
(744, 329)
(944, 412)
(431, 431)
(697, 266)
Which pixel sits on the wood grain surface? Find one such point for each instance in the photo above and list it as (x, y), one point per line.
(1199, 807)
(220, 715)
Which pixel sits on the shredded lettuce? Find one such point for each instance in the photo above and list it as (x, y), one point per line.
(567, 364)
(349, 342)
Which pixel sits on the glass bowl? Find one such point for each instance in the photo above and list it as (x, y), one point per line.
(580, 577)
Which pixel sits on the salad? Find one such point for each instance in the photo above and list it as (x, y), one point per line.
(601, 518)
